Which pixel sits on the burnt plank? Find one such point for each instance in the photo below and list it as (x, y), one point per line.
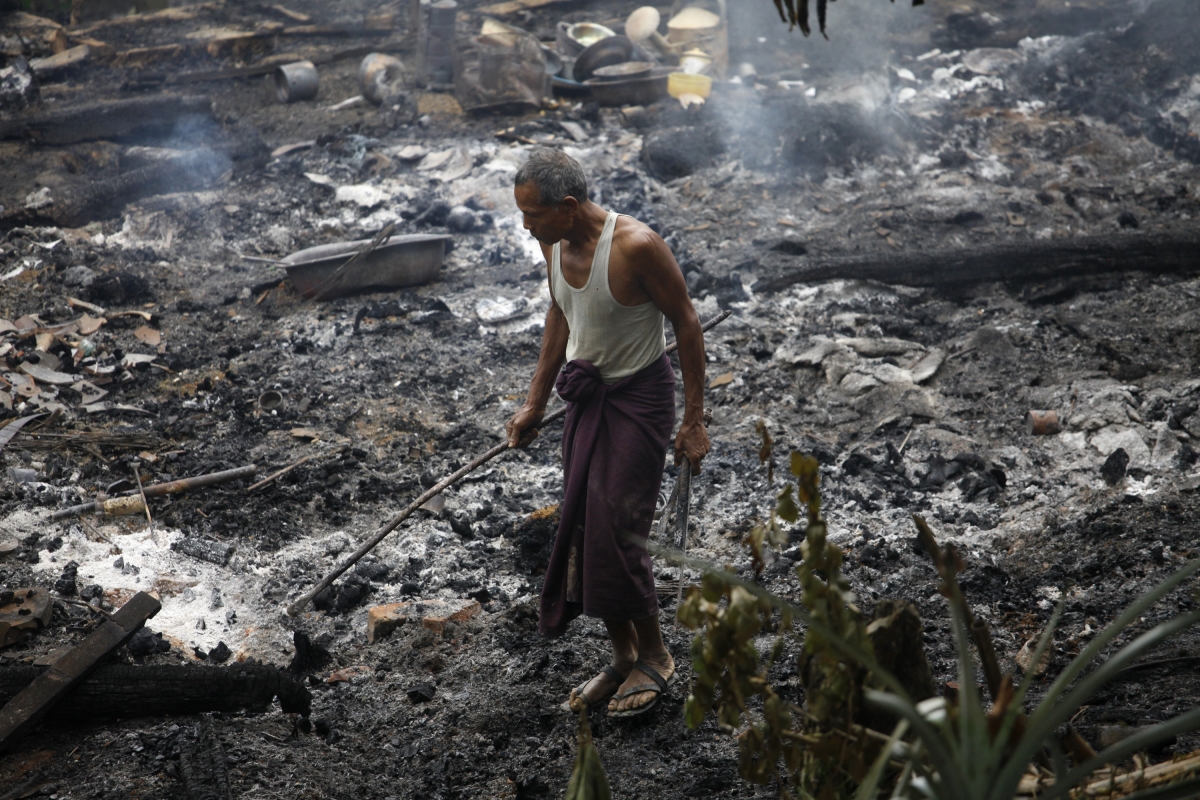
(25, 710)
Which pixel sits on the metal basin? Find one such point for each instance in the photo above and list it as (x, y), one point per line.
(403, 261)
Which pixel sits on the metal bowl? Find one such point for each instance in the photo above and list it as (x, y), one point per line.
(588, 33)
(567, 43)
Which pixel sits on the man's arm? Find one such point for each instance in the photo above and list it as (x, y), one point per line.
(550, 361)
(663, 281)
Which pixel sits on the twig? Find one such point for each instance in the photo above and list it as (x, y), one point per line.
(83, 521)
(145, 505)
(88, 606)
(289, 468)
(961, 353)
(367, 546)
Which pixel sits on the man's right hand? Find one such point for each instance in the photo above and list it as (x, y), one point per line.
(521, 428)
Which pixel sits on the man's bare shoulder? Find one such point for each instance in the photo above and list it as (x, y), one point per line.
(636, 240)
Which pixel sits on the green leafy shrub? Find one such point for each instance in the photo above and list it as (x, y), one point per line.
(940, 749)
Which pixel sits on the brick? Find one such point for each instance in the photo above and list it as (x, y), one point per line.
(433, 614)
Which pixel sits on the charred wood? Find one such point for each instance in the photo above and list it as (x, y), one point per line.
(106, 119)
(42, 693)
(123, 691)
(202, 765)
(82, 203)
(1011, 263)
(213, 552)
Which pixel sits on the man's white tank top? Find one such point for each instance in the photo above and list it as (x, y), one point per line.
(619, 340)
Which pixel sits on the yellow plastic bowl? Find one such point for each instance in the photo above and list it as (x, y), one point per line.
(682, 83)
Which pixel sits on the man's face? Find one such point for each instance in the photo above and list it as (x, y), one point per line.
(547, 224)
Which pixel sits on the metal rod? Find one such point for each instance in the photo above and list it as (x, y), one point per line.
(171, 487)
(684, 485)
(186, 484)
(369, 545)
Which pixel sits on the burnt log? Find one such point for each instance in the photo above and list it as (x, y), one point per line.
(1017, 262)
(123, 691)
(108, 119)
(41, 694)
(213, 552)
(202, 765)
(77, 205)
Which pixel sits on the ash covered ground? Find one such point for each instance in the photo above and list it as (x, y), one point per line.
(913, 399)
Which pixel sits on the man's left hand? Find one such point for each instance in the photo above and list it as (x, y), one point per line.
(692, 441)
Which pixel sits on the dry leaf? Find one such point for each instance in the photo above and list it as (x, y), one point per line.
(721, 380)
(148, 335)
(27, 323)
(89, 325)
(346, 674)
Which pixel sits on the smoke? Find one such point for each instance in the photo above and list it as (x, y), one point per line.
(880, 85)
(202, 139)
(821, 106)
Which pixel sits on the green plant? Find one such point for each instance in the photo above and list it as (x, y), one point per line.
(588, 781)
(826, 753)
(939, 749)
(962, 751)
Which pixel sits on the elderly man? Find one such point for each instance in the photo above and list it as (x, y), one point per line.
(612, 282)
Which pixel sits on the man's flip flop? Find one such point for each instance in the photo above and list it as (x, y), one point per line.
(659, 686)
(609, 670)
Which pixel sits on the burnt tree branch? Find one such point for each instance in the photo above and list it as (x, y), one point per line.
(123, 691)
(1017, 262)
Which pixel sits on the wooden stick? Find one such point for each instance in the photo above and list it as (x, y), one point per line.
(289, 468)
(369, 545)
(142, 492)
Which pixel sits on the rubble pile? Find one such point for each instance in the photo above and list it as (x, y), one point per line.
(161, 201)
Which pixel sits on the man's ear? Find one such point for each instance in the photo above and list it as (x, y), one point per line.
(569, 205)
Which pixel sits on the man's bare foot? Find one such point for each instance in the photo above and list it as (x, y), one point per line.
(598, 689)
(662, 663)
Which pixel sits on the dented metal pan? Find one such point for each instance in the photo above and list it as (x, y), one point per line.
(399, 262)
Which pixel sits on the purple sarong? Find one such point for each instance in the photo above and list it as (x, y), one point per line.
(615, 441)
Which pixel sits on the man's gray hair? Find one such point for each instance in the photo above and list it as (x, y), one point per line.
(556, 174)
